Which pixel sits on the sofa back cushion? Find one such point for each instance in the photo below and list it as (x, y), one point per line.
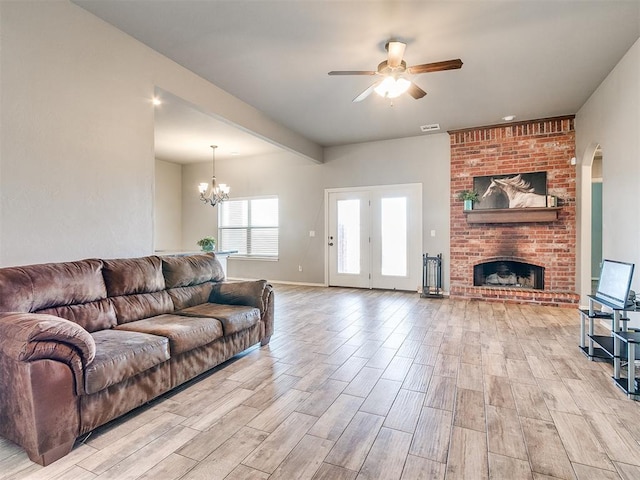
(16, 290)
(189, 278)
(92, 316)
(128, 276)
(72, 290)
(185, 297)
(189, 270)
(136, 288)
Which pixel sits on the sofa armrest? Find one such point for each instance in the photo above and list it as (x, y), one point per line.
(253, 293)
(42, 360)
(268, 315)
(32, 336)
(249, 293)
(26, 337)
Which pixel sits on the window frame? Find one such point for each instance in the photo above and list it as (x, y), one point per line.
(248, 228)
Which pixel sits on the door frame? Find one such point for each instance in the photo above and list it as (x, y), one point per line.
(327, 191)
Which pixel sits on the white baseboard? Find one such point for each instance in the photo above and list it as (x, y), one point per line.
(306, 284)
(282, 282)
(301, 284)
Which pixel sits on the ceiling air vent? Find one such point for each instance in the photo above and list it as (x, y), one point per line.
(430, 128)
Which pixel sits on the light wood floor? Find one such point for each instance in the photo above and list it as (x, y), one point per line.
(384, 385)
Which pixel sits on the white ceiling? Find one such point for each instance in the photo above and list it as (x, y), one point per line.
(183, 134)
(529, 58)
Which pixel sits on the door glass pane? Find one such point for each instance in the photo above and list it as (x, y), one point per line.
(394, 236)
(348, 241)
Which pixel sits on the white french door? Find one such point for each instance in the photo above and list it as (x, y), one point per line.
(375, 237)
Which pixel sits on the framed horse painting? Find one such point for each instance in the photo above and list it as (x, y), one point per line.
(516, 190)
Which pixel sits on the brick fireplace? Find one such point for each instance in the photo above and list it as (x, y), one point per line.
(545, 145)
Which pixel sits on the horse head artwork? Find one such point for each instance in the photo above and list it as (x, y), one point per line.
(518, 191)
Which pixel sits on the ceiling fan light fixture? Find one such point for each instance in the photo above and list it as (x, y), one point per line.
(392, 87)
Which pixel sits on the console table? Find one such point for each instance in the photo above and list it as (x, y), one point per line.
(618, 345)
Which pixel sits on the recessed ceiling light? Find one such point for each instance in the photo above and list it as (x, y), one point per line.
(156, 101)
(509, 118)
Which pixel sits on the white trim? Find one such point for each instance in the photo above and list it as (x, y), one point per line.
(301, 284)
(370, 187)
(282, 282)
(251, 257)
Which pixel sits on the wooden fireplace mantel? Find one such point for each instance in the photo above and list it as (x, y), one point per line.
(513, 215)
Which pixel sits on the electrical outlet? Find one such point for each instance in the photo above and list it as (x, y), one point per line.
(312, 233)
(299, 268)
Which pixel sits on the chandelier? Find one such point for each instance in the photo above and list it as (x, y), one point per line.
(214, 194)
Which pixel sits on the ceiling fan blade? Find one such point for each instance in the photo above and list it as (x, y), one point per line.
(436, 66)
(396, 52)
(366, 93)
(415, 91)
(352, 72)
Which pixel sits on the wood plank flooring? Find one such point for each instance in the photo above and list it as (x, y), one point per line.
(360, 385)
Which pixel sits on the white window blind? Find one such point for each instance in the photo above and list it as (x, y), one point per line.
(249, 226)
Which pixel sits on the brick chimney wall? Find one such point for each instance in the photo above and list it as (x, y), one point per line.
(545, 145)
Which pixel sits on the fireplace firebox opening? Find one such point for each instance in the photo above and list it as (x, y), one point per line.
(508, 274)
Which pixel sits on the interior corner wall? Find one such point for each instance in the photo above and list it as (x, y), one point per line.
(611, 118)
(198, 219)
(168, 206)
(300, 187)
(77, 133)
(77, 138)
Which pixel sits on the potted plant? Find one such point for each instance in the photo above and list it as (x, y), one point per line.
(207, 244)
(469, 197)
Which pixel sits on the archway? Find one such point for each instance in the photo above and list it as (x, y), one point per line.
(586, 273)
(596, 217)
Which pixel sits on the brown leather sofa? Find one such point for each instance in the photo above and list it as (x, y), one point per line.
(82, 343)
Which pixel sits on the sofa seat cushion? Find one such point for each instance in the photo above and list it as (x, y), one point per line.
(234, 318)
(184, 333)
(121, 354)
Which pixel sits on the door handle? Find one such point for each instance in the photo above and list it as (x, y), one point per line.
(331, 244)
(331, 241)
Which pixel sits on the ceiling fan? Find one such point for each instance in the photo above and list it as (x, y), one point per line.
(393, 74)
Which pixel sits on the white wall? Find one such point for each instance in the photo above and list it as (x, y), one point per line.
(198, 219)
(168, 206)
(611, 118)
(300, 187)
(181, 219)
(77, 142)
(76, 133)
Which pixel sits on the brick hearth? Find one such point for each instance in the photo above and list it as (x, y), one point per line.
(536, 146)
